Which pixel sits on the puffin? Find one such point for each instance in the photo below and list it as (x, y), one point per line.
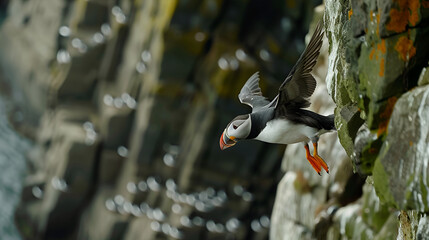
(284, 120)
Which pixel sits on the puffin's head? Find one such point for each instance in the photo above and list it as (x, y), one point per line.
(239, 128)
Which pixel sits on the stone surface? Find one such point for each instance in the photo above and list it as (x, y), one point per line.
(374, 212)
(366, 148)
(377, 60)
(424, 77)
(296, 206)
(29, 66)
(408, 223)
(348, 122)
(403, 160)
(351, 224)
(423, 229)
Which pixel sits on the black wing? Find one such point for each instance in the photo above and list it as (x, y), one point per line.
(251, 93)
(299, 85)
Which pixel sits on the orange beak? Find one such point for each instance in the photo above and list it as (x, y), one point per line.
(223, 144)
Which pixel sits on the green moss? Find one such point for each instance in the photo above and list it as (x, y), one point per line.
(375, 213)
(381, 184)
(352, 76)
(357, 229)
(347, 121)
(342, 94)
(389, 229)
(369, 156)
(424, 192)
(378, 218)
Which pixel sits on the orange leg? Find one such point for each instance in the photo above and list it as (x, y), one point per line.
(319, 160)
(312, 160)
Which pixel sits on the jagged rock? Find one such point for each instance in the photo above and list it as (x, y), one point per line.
(292, 207)
(349, 223)
(28, 66)
(423, 228)
(381, 84)
(401, 171)
(397, 16)
(374, 212)
(360, 19)
(424, 77)
(389, 229)
(366, 148)
(337, 66)
(348, 122)
(378, 52)
(408, 223)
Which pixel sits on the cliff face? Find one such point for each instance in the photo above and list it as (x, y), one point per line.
(378, 80)
(377, 76)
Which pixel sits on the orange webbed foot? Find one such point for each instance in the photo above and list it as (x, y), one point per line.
(313, 161)
(319, 159)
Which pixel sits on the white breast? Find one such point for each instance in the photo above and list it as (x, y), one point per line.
(284, 131)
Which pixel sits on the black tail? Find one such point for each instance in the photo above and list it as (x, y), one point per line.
(312, 119)
(328, 122)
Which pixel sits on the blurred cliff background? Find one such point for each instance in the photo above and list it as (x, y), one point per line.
(122, 104)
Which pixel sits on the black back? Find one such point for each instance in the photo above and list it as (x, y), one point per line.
(259, 121)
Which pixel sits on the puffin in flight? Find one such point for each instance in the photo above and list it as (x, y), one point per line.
(284, 119)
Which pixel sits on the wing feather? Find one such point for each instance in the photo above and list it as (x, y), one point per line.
(251, 93)
(299, 85)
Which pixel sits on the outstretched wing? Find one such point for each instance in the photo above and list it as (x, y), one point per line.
(299, 85)
(251, 93)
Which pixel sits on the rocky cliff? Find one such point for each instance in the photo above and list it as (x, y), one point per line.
(130, 98)
(377, 78)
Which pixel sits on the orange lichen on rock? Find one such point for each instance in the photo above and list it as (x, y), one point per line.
(381, 73)
(382, 46)
(414, 6)
(405, 48)
(398, 20)
(350, 13)
(385, 115)
(371, 54)
(408, 12)
(380, 49)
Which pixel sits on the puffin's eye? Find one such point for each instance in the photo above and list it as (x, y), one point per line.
(235, 127)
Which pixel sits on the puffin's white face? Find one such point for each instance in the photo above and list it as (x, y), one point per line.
(238, 128)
